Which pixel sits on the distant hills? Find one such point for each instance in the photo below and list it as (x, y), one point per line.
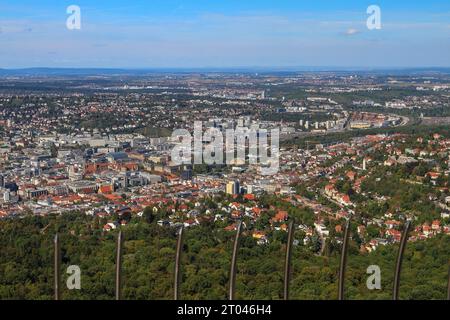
(64, 71)
(146, 71)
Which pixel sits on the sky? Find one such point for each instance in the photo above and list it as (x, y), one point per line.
(224, 34)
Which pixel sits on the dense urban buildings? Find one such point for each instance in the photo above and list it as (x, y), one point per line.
(228, 155)
(102, 150)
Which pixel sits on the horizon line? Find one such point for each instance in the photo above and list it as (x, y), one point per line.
(234, 68)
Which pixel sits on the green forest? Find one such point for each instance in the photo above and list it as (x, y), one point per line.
(26, 263)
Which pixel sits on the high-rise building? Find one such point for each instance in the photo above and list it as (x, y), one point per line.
(186, 174)
(233, 188)
(229, 188)
(6, 196)
(2, 180)
(237, 187)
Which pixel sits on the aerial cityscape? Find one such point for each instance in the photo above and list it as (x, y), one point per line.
(210, 181)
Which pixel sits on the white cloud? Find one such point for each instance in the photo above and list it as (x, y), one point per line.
(351, 32)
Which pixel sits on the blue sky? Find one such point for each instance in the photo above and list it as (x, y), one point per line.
(224, 33)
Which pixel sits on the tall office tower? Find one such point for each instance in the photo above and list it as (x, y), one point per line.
(364, 164)
(2, 180)
(229, 188)
(7, 196)
(233, 188)
(237, 187)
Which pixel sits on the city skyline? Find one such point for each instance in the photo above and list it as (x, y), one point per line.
(144, 161)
